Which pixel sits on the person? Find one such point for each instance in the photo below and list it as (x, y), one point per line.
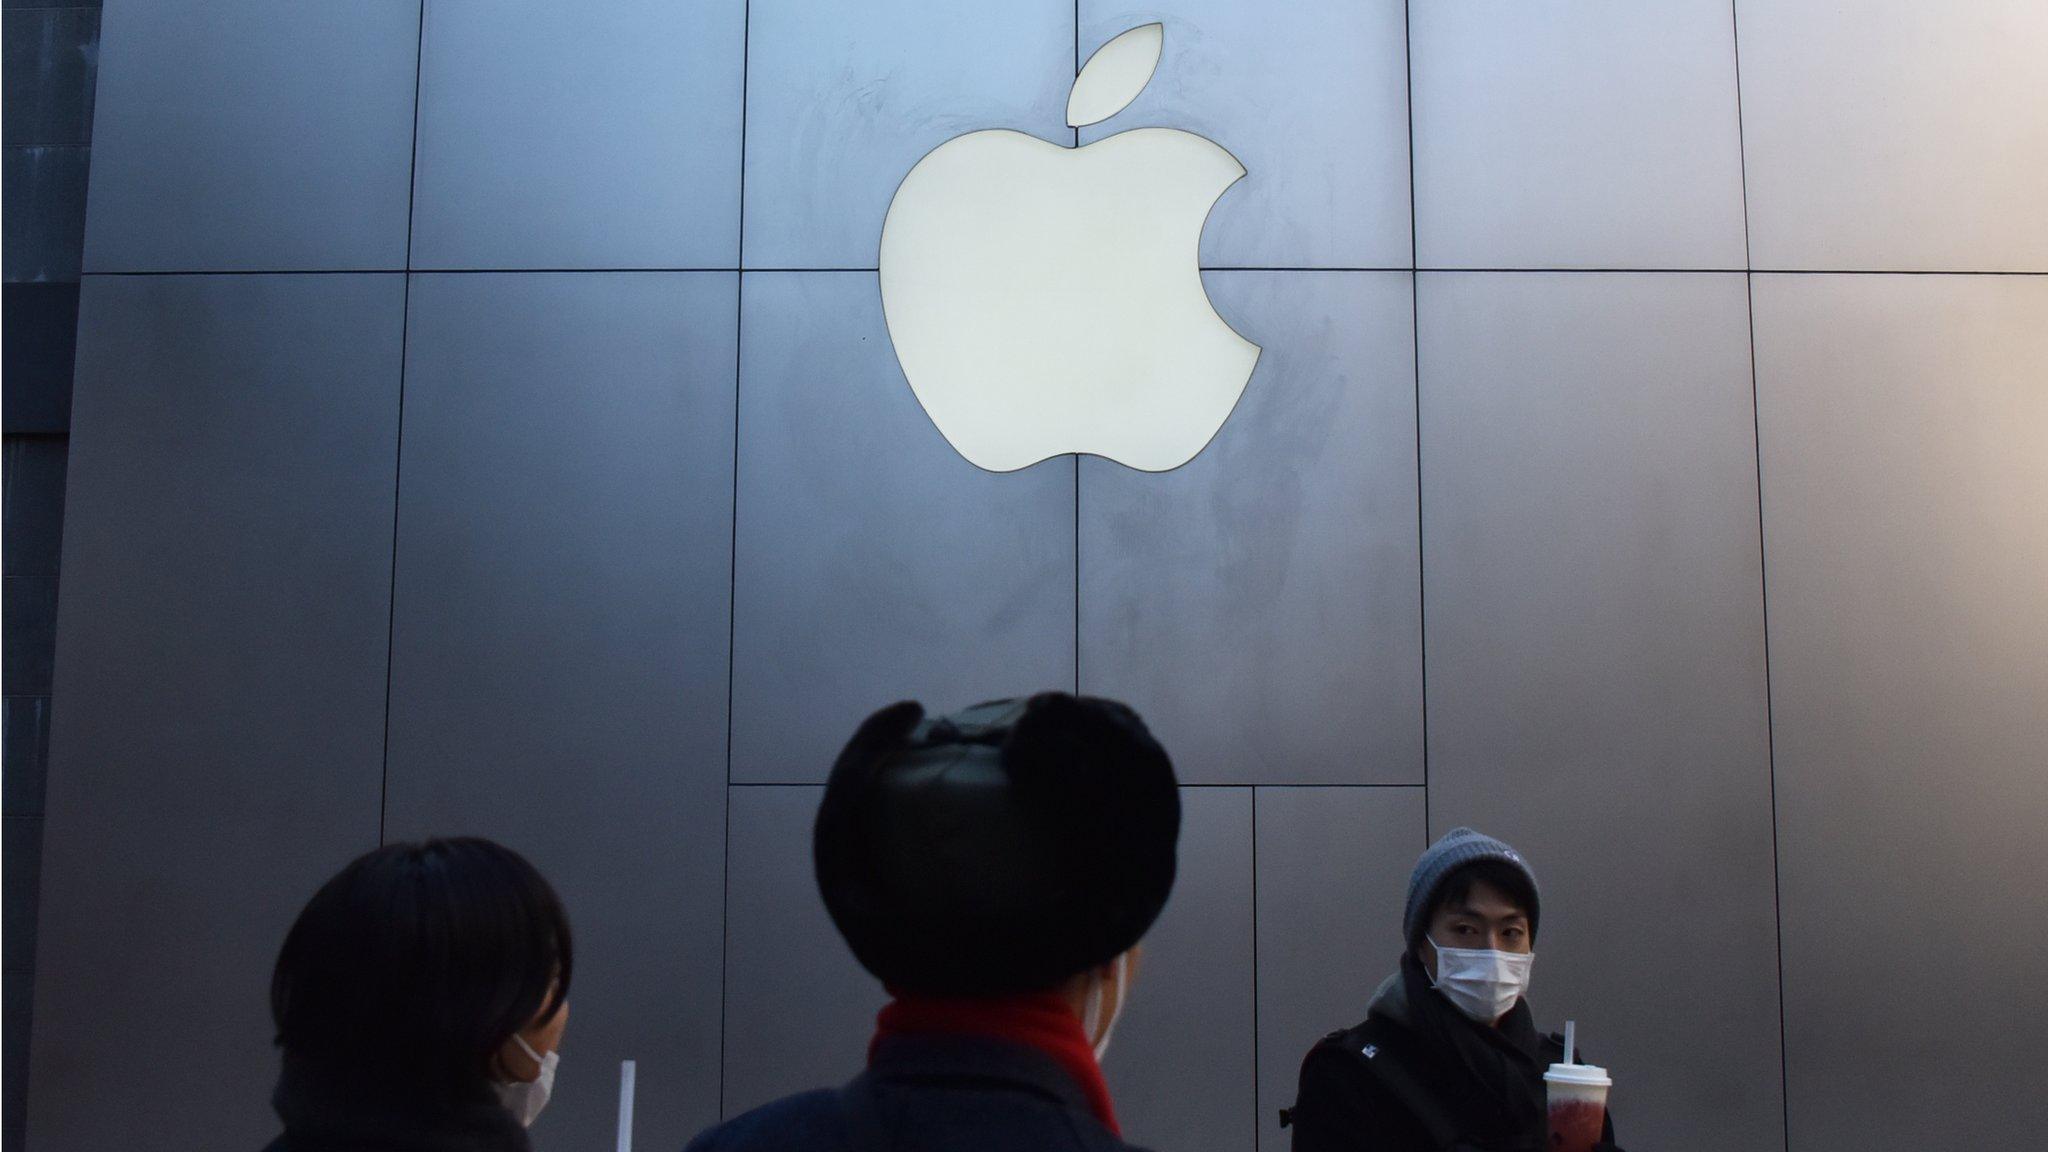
(995, 869)
(1448, 1057)
(420, 1000)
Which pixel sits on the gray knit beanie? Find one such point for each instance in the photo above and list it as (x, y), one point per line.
(1459, 847)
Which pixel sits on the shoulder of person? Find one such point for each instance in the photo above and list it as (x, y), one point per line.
(1362, 1042)
(807, 1121)
(1347, 1101)
(1341, 1067)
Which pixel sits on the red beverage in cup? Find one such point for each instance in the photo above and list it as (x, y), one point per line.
(1578, 1105)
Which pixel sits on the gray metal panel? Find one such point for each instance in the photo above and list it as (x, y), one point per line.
(1181, 1068)
(28, 617)
(23, 856)
(1895, 134)
(1312, 97)
(842, 99)
(1333, 878)
(1596, 667)
(875, 563)
(247, 134)
(43, 206)
(41, 323)
(1282, 562)
(1906, 521)
(1587, 135)
(219, 749)
(799, 1009)
(33, 506)
(559, 660)
(26, 755)
(51, 55)
(17, 991)
(600, 134)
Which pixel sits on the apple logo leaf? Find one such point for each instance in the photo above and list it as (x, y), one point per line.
(1115, 75)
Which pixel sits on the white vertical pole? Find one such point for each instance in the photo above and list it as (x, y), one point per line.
(626, 1073)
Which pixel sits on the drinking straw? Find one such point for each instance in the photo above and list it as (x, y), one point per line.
(626, 1070)
(1571, 1049)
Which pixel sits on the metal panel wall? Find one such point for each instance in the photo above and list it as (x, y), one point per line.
(250, 135)
(1282, 563)
(1310, 96)
(1596, 667)
(605, 537)
(1895, 135)
(1906, 517)
(529, 157)
(799, 1009)
(875, 564)
(217, 749)
(558, 668)
(1332, 870)
(1180, 1068)
(1598, 134)
(842, 99)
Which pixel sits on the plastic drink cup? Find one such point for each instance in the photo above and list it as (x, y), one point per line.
(1578, 1105)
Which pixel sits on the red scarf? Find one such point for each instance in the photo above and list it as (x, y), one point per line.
(1043, 1021)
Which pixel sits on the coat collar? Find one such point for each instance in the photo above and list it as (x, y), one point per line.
(978, 1061)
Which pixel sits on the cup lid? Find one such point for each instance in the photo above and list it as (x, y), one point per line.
(1590, 1075)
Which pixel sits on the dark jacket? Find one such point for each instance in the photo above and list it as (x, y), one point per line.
(1419, 1076)
(344, 1110)
(929, 1094)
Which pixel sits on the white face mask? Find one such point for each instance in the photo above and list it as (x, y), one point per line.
(1481, 982)
(525, 1098)
(1091, 1015)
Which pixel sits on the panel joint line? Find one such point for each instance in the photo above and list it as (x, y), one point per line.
(739, 293)
(419, 65)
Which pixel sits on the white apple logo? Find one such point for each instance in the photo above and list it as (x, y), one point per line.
(1046, 300)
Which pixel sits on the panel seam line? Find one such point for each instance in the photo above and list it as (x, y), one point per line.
(739, 293)
(419, 67)
(1415, 365)
(1763, 573)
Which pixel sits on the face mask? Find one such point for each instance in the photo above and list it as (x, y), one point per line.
(525, 1098)
(1480, 982)
(1091, 1015)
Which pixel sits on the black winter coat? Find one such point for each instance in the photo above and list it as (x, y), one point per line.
(929, 1094)
(1419, 1076)
(329, 1110)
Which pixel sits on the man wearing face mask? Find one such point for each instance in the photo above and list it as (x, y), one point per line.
(1448, 1058)
(995, 870)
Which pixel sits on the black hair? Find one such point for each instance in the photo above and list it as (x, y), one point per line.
(1456, 887)
(418, 961)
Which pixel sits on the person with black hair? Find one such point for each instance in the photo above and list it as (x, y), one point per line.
(1448, 1058)
(995, 870)
(420, 1000)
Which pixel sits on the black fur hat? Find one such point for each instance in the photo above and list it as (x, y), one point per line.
(1003, 849)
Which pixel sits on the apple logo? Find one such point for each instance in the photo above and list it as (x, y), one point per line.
(1046, 300)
